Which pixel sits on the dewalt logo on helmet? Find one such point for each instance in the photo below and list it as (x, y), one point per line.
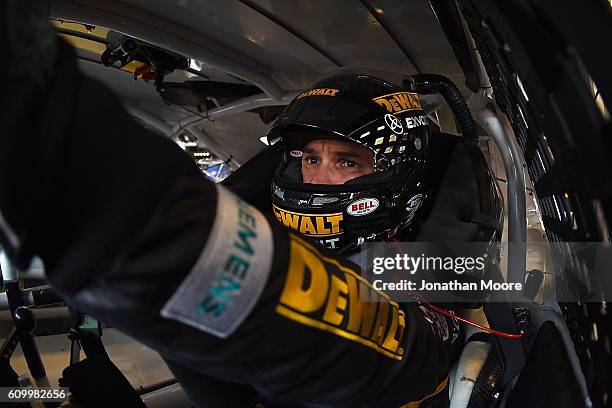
(318, 92)
(399, 102)
(315, 225)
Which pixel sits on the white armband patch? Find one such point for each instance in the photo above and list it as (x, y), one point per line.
(230, 275)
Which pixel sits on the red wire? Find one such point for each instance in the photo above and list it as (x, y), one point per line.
(481, 327)
(513, 336)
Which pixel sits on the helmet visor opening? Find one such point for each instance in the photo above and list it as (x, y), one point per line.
(289, 175)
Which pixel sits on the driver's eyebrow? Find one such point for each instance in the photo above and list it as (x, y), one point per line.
(348, 154)
(310, 150)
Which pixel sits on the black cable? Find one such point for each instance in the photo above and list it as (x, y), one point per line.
(432, 83)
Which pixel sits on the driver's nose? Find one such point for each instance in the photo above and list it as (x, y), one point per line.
(318, 176)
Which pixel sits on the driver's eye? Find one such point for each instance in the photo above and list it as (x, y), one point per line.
(311, 160)
(349, 164)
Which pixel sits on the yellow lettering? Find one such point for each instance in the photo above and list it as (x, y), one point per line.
(334, 220)
(355, 304)
(361, 313)
(321, 230)
(397, 326)
(399, 102)
(306, 226)
(370, 307)
(404, 100)
(318, 92)
(324, 294)
(294, 294)
(384, 103)
(394, 104)
(401, 323)
(378, 335)
(290, 220)
(336, 301)
(310, 224)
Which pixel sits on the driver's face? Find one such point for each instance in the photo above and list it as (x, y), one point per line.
(327, 161)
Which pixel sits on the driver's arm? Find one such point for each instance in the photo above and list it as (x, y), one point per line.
(130, 232)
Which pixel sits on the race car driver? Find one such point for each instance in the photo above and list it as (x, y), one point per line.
(354, 161)
(131, 233)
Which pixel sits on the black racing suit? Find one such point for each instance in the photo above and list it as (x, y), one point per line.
(242, 310)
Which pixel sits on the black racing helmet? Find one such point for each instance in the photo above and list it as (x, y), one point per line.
(363, 109)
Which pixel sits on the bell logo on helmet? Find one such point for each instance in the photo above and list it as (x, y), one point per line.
(394, 124)
(296, 153)
(362, 207)
(399, 102)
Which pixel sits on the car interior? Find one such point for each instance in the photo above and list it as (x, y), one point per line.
(515, 102)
